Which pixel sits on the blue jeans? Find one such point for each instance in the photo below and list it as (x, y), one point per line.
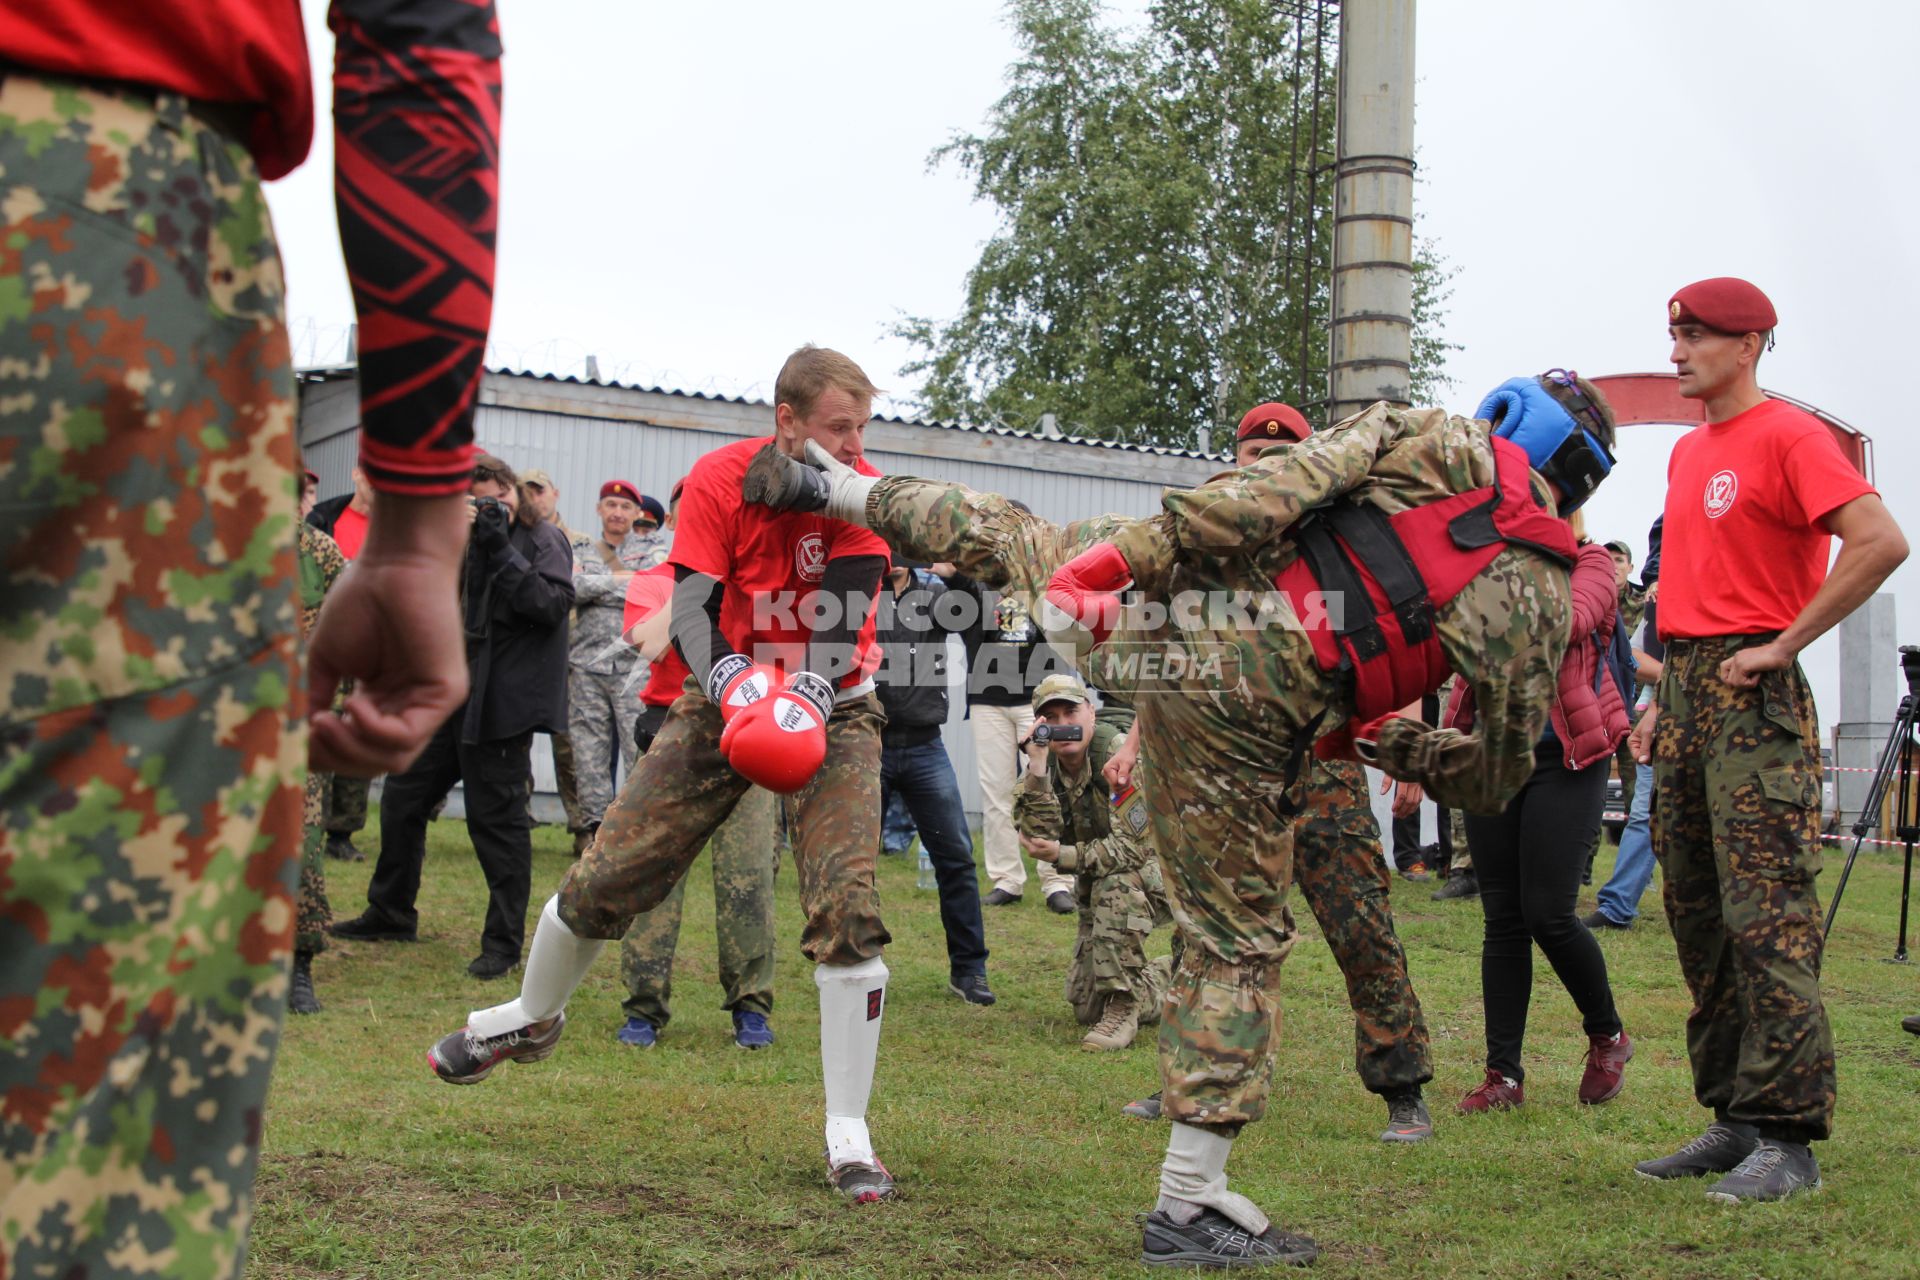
(923, 776)
(1633, 870)
(896, 825)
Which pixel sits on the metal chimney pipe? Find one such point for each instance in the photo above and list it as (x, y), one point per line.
(1372, 300)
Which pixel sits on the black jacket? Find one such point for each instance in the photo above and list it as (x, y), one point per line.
(911, 629)
(1007, 656)
(516, 606)
(327, 514)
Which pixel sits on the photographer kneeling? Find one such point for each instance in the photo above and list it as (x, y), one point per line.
(1065, 816)
(517, 590)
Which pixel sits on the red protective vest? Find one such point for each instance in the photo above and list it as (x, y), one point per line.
(1367, 585)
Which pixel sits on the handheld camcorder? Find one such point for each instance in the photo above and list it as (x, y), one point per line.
(1044, 733)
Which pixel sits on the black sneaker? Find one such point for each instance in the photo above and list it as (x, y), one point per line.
(1215, 1240)
(1720, 1149)
(1147, 1108)
(999, 898)
(340, 848)
(367, 927)
(1601, 920)
(1407, 1119)
(488, 967)
(466, 1058)
(1060, 902)
(971, 987)
(1911, 1023)
(1462, 884)
(1773, 1171)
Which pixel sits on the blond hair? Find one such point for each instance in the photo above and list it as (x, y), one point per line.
(1577, 521)
(811, 371)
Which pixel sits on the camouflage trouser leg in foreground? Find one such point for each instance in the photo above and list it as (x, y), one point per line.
(565, 778)
(1337, 864)
(680, 792)
(152, 722)
(743, 865)
(1736, 812)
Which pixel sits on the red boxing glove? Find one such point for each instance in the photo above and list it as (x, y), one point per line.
(780, 742)
(1344, 743)
(1086, 588)
(737, 682)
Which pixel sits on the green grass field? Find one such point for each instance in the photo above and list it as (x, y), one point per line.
(697, 1159)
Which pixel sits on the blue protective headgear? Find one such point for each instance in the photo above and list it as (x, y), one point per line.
(1566, 452)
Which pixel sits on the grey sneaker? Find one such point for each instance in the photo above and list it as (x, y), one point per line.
(1720, 1149)
(1147, 1108)
(465, 1058)
(1774, 1171)
(1215, 1240)
(861, 1182)
(1407, 1119)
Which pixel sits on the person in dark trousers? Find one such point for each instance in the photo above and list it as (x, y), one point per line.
(517, 589)
(912, 631)
(1528, 858)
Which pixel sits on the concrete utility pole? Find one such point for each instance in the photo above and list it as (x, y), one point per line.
(1373, 209)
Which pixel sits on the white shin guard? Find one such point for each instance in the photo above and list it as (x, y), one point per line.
(556, 962)
(852, 999)
(848, 489)
(1195, 1174)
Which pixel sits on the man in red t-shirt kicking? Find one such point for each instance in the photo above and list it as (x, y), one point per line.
(1754, 498)
(773, 614)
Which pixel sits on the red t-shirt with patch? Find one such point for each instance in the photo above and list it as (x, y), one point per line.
(771, 561)
(350, 531)
(1744, 549)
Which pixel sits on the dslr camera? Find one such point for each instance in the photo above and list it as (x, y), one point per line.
(1044, 733)
(492, 514)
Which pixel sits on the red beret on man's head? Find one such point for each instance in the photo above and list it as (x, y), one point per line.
(620, 489)
(1727, 304)
(1273, 422)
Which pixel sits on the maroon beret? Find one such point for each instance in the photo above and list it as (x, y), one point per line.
(620, 489)
(678, 485)
(1273, 422)
(1725, 303)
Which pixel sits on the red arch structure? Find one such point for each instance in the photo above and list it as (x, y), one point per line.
(1655, 397)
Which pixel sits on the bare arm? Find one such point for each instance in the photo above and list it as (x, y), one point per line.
(1871, 548)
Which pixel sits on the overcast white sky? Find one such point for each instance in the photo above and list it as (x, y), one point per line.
(692, 190)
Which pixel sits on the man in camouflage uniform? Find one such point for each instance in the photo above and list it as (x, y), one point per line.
(1065, 817)
(603, 696)
(321, 565)
(1227, 712)
(1754, 498)
(154, 727)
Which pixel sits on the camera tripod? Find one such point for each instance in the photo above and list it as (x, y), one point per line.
(1896, 766)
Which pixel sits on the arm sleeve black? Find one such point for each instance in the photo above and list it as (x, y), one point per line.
(855, 582)
(695, 627)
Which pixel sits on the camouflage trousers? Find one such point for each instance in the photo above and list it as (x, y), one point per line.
(1224, 713)
(1338, 865)
(1117, 912)
(565, 781)
(1736, 813)
(745, 855)
(346, 804)
(152, 722)
(599, 728)
(312, 912)
(680, 792)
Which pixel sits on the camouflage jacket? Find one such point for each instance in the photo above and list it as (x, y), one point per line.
(1505, 633)
(321, 564)
(600, 599)
(1099, 834)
